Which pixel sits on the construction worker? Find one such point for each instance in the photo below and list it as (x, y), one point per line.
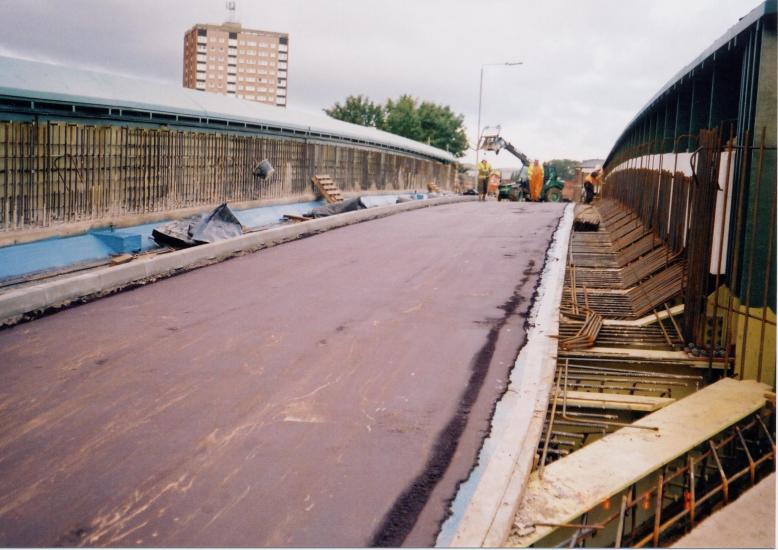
(589, 183)
(484, 171)
(535, 180)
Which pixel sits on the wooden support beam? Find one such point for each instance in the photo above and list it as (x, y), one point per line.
(615, 401)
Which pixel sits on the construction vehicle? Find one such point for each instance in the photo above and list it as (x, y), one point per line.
(518, 188)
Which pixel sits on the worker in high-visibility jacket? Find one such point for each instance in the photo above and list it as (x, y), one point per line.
(535, 180)
(484, 171)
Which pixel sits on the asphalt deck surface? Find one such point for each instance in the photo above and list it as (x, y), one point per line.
(331, 391)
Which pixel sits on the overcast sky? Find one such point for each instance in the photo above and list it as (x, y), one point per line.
(589, 65)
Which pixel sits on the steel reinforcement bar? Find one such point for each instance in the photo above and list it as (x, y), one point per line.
(59, 173)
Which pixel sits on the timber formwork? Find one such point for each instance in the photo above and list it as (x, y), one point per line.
(622, 356)
(620, 345)
(649, 483)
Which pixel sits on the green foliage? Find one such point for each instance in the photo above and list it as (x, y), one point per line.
(359, 110)
(441, 128)
(402, 118)
(565, 168)
(427, 122)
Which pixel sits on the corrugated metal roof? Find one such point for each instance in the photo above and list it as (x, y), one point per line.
(21, 78)
(766, 8)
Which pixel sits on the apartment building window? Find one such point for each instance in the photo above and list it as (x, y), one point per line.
(281, 74)
(281, 65)
(280, 92)
(281, 83)
(250, 88)
(283, 57)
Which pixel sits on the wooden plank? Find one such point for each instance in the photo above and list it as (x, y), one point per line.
(636, 354)
(296, 218)
(327, 188)
(577, 483)
(615, 401)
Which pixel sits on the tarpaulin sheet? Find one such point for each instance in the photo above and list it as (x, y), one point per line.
(218, 225)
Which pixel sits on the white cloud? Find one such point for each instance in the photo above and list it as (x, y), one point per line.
(588, 65)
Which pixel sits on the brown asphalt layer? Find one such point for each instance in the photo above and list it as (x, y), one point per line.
(331, 391)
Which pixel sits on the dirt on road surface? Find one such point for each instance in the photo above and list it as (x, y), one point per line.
(332, 391)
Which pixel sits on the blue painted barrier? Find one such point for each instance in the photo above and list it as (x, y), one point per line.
(60, 252)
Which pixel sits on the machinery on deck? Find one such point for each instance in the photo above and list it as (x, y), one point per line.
(518, 188)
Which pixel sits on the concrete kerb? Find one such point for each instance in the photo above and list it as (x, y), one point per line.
(486, 503)
(16, 305)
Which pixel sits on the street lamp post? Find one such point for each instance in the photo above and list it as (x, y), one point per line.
(480, 95)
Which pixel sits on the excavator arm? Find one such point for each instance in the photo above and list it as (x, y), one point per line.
(493, 142)
(515, 152)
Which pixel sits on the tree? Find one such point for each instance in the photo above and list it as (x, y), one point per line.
(441, 128)
(402, 118)
(427, 122)
(359, 110)
(565, 168)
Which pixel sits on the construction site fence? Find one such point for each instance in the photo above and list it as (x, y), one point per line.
(59, 173)
(715, 201)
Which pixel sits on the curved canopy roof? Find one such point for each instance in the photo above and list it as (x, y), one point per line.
(34, 80)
